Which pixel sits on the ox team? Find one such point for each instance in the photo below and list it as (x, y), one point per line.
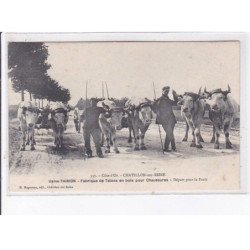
(103, 118)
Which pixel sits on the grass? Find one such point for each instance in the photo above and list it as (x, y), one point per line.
(13, 111)
(14, 143)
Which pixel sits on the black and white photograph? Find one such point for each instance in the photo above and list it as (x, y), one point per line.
(122, 116)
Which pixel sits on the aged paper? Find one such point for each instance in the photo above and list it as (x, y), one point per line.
(121, 72)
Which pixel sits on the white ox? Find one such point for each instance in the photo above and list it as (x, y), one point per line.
(110, 121)
(27, 114)
(140, 116)
(223, 109)
(193, 109)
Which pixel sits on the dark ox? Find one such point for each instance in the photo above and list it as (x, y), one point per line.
(222, 111)
(193, 109)
(43, 119)
(127, 123)
(28, 116)
(57, 122)
(110, 121)
(140, 118)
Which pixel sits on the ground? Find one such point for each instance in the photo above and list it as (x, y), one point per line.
(220, 167)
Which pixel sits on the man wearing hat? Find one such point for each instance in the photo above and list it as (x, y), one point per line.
(165, 116)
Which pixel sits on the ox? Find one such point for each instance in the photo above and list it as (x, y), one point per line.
(127, 123)
(222, 111)
(193, 109)
(57, 121)
(27, 114)
(140, 117)
(109, 121)
(43, 119)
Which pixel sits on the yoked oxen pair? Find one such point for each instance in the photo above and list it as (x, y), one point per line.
(58, 119)
(109, 121)
(193, 109)
(28, 115)
(140, 116)
(222, 111)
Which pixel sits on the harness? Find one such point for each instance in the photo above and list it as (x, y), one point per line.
(145, 104)
(139, 107)
(60, 110)
(109, 111)
(193, 95)
(116, 110)
(218, 91)
(30, 109)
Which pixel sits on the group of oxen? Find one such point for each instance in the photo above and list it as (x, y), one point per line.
(137, 116)
(53, 117)
(222, 108)
(138, 113)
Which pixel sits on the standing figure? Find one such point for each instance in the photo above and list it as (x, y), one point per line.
(91, 127)
(76, 119)
(165, 116)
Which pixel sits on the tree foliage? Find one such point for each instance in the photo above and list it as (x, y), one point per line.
(28, 69)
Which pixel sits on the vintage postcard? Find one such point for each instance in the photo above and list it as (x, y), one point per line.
(123, 113)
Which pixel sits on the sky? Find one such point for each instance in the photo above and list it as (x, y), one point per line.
(130, 68)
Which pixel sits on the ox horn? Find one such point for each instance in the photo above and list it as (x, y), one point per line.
(227, 91)
(205, 90)
(199, 92)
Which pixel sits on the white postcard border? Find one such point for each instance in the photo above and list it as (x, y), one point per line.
(56, 37)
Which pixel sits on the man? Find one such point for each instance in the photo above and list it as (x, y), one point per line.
(91, 127)
(165, 116)
(76, 119)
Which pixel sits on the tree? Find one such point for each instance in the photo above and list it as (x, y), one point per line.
(65, 95)
(27, 63)
(28, 68)
(51, 90)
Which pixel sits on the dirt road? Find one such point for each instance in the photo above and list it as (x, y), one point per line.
(47, 162)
